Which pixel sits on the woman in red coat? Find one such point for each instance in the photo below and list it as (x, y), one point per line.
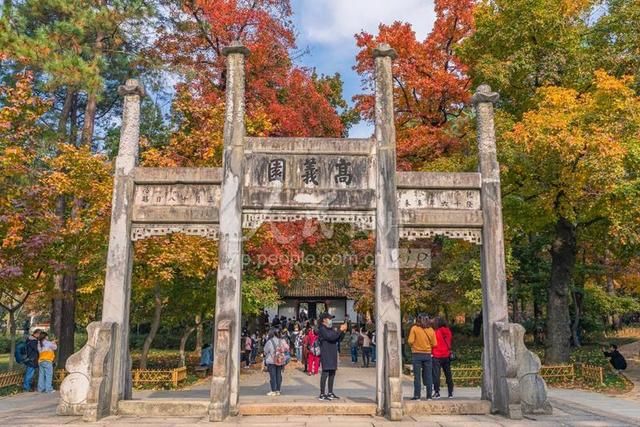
(442, 357)
(313, 361)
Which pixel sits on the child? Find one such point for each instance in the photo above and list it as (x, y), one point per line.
(46, 350)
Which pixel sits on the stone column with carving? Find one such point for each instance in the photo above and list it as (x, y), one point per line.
(117, 288)
(494, 287)
(224, 394)
(389, 360)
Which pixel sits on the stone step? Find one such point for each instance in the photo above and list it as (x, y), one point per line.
(309, 408)
(164, 408)
(199, 408)
(447, 407)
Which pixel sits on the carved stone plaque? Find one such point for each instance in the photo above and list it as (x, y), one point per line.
(438, 199)
(176, 203)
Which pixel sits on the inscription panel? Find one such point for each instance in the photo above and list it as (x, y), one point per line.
(308, 171)
(438, 199)
(179, 203)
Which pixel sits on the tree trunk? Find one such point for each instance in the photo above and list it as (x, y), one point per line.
(563, 259)
(12, 338)
(66, 338)
(92, 99)
(183, 343)
(199, 333)
(73, 116)
(66, 109)
(575, 325)
(155, 324)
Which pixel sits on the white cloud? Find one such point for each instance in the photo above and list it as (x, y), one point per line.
(334, 22)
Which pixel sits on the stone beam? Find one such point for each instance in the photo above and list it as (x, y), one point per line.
(441, 218)
(178, 175)
(315, 146)
(439, 180)
(387, 224)
(494, 287)
(229, 279)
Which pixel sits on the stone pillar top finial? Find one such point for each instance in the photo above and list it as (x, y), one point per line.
(383, 49)
(236, 46)
(131, 87)
(484, 94)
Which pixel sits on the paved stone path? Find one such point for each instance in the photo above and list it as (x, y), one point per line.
(631, 352)
(571, 407)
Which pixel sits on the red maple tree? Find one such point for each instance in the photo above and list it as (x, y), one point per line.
(431, 85)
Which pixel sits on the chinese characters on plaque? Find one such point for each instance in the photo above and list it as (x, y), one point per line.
(439, 199)
(177, 195)
(310, 174)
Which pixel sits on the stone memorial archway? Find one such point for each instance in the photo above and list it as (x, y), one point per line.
(282, 179)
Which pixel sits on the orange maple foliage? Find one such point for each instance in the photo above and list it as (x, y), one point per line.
(431, 85)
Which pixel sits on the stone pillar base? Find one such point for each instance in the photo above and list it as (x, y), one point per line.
(520, 389)
(86, 390)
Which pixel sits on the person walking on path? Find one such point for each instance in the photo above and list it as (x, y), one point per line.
(313, 359)
(442, 357)
(329, 355)
(422, 339)
(366, 347)
(248, 348)
(46, 356)
(353, 342)
(275, 358)
(31, 360)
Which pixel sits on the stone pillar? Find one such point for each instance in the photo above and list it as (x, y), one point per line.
(494, 287)
(389, 360)
(117, 287)
(224, 394)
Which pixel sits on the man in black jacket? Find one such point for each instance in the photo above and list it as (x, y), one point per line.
(616, 359)
(31, 362)
(328, 354)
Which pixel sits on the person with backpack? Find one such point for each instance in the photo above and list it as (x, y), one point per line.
(329, 354)
(422, 339)
(313, 352)
(27, 354)
(47, 355)
(442, 357)
(275, 357)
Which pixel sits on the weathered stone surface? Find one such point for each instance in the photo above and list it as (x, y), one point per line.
(224, 392)
(85, 391)
(177, 175)
(439, 180)
(317, 146)
(494, 287)
(163, 408)
(307, 408)
(388, 391)
(441, 218)
(447, 407)
(519, 373)
(326, 200)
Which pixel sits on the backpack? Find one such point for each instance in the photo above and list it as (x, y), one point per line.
(282, 355)
(315, 348)
(21, 352)
(360, 340)
(248, 344)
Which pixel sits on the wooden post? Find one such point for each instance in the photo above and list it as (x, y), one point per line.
(117, 288)
(228, 291)
(494, 287)
(388, 327)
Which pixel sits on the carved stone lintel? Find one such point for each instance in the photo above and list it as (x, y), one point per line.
(383, 49)
(145, 231)
(473, 235)
(131, 87)
(484, 94)
(236, 46)
(361, 220)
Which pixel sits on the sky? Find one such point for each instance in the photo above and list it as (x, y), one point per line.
(327, 27)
